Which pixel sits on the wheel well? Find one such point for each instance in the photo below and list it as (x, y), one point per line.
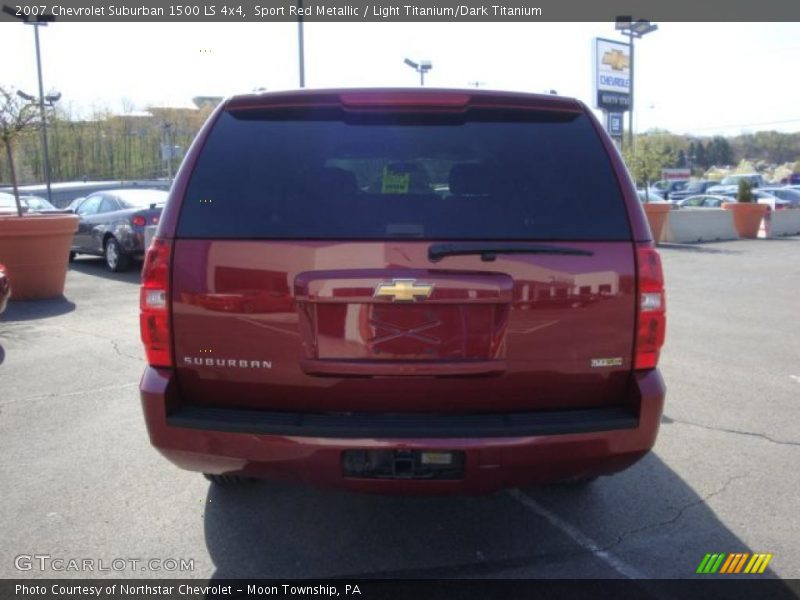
(107, 237)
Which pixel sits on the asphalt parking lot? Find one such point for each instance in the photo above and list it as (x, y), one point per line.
(80, 479)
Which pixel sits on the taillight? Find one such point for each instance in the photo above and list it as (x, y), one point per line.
(154, 304)
(652, 308)
(139, 221)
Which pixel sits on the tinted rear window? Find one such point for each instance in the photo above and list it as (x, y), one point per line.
(537, 177)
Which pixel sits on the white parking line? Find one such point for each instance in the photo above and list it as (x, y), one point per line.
(577, 536)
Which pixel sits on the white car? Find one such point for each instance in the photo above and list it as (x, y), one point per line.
(704, 201)
(650, 196)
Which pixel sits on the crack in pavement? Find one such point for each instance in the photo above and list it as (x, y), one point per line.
(69, 394)
(115, 345)
(680, 512)
(764, 436)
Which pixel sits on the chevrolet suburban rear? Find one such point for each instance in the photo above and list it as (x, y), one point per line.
(403, 291)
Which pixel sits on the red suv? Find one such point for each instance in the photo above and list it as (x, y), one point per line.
(403, 291)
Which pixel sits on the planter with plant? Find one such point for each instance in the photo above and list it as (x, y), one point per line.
(645, 165)
(657, 214)
(747, 212)
(33, 248)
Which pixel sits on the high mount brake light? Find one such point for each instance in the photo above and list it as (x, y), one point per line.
(444, 100)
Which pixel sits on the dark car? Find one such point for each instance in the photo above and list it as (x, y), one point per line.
(792, 180)
(668, 187)
(5, 288)
(112, 224)
(403, 291)
(692, 188)
(730, 184)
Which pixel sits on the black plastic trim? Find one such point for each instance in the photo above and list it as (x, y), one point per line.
(379, 425)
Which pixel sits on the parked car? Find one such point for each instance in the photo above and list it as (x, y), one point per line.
(763, 196)
(8, 205)
(30, 204)
(731, 183)
(62, 193)
(112, 224)
(667, 187)
(793, 180)
(5, 289)
(37, 204)
(401, 350)
(788, 195)
(650, 196)
(703, 201)
(73, 205)
(692, 188)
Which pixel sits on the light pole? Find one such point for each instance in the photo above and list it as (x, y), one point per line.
(633, 29)
(421, 67)
(41, 20)
(169, 147)
(301, 52)
(50, 100)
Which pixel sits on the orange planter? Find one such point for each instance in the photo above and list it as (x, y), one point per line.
(35, 250)
(747, 217)
(657, 215)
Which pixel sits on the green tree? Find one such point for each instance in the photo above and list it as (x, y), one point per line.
(16, 117)
(700, 157)
(721, 151)
(681, 158)
(745, 192)
(652, 154)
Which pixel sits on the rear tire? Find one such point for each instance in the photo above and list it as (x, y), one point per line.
(71, 256)
(228, 480)
(116, 260)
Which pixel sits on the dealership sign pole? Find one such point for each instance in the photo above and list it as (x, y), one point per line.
(611, 82)
(633, 29)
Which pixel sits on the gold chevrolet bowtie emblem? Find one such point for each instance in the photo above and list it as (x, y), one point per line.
(404, 290)
(616, 60)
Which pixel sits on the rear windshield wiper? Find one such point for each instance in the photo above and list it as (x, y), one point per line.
(490, 250)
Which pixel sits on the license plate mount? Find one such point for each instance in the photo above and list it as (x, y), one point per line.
(404, 464)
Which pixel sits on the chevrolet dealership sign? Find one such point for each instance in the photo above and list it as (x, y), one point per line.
(612, 75)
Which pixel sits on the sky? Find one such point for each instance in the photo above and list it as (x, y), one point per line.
(692, 78)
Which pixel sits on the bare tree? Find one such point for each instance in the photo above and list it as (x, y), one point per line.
(16, 117)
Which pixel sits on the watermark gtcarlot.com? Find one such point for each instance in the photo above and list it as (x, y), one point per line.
(46, 562)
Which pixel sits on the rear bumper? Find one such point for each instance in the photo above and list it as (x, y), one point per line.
(132, 241)
(500, 451)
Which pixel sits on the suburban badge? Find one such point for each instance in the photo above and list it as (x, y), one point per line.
(606, 362)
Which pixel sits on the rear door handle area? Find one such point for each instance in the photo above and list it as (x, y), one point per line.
(391, 368)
